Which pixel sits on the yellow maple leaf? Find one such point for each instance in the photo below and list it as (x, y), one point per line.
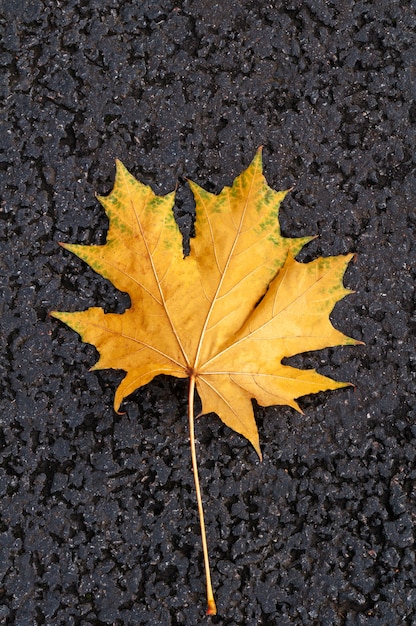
(226, 315)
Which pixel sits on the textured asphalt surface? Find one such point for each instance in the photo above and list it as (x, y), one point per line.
(98, 520)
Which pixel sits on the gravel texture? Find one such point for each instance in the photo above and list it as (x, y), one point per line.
(98, 521)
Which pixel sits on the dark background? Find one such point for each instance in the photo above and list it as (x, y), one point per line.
(98, 516)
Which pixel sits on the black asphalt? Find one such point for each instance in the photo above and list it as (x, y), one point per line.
(98, 520)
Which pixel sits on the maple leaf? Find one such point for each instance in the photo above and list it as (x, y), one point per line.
(225, 316)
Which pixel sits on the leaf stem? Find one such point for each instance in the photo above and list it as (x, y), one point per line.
(211, 607)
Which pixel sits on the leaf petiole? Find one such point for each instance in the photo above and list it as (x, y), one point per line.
(211, 607)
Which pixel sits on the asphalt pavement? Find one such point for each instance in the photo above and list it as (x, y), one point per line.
(98, 519)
